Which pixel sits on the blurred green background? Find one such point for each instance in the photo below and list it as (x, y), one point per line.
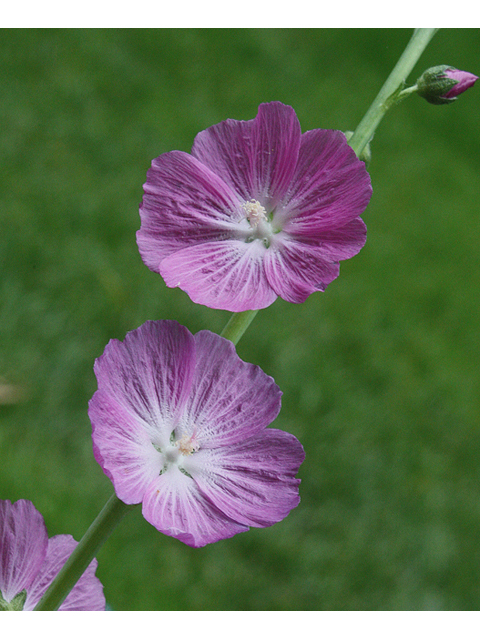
(380, 373)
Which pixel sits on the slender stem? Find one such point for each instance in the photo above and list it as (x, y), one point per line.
(386, 97)
(237, 325)
(406, 92)
(84, 552)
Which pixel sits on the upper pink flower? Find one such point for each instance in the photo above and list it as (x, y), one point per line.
(258, 210)
(29, 561)
(179, 424)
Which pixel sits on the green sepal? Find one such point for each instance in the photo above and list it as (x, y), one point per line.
(16, 604)
(433, 84)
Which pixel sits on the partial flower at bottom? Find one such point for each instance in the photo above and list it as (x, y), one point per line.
(179, 424)
(29, 561)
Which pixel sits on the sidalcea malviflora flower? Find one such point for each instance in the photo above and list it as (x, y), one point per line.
(29, 561)
(180, 425)
(256, 211)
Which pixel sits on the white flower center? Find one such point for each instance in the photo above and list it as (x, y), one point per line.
(256, 215)
(187, 445)
(176, 451)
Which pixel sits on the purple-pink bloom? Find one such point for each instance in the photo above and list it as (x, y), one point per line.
(179, 424)
(464, 80)
(29, 561)
(257, 210)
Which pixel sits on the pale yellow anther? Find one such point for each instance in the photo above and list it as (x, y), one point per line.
(254, 212)
(187, 445)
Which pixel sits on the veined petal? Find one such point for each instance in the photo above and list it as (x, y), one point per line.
(175, 506)
(123, 448)
(256, 157)
(221, 275)
(339, 244)
(23, 546)
(296, 269)
(184, 202)
(149, 374)
(298, 266)
(230, 399)
(252, 481)
(330, 187)
(86, 595)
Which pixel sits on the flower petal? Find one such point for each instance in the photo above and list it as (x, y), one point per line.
(231, 399)
(296, 269)
(184, 202)
(23, 546)
(222, 275)
(252, 481)
(175, 506)
(342, 243)
(123, 448)
(464, 81)
(256, 157)
(330, 187)
(150, 375)
(86, 595)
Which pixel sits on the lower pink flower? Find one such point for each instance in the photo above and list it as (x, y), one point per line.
(179, 424)
(29, 561)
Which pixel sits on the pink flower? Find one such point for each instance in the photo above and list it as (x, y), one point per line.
(258, 210)
(29, 561)
(179, 424)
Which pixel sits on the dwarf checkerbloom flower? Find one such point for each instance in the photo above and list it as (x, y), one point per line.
(29, 561)
(257, 210)
(179, 424)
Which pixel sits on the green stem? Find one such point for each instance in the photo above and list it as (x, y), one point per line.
(237, 325)
(406, 92)
(84, 552)
(391, 90)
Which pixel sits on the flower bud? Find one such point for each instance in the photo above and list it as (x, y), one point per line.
(442, 84)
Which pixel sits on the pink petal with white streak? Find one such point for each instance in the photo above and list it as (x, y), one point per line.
(230, 399)
(222, 275)
(296, 269)
(23, 546)
(184, 203)
(256, 157)
(252, 481)
(86, 595)
(123, 447)
(330, 187)
(149, 374)
(175, 506)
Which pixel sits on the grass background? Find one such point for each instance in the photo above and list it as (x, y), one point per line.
(380, 373)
